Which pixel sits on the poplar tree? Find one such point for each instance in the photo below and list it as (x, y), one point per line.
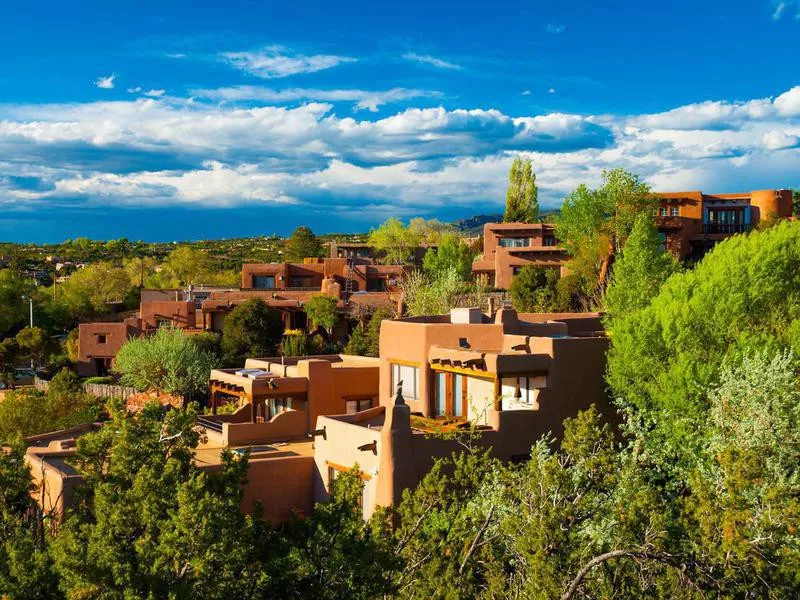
(522, 204)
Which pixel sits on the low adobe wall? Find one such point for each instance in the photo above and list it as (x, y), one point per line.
(284, 426)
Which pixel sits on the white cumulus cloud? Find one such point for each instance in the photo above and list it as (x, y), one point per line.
(107, 82)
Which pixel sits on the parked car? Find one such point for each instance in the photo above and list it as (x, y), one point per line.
(22, 376)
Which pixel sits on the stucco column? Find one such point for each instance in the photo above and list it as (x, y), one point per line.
(396, 471)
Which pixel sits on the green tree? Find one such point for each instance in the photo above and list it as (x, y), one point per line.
(796, 202)
(323, 312)
(72, 345)
(424, 295)
(334, 554)
(395, 241)
(742, 297)
(188, 265)
(34, 344)
(152, 524)
(252, 329)
(534, 289)
(744, 503)
(452, 253)
(365, 340)
(168, 361)
(9, 356)
(28, 411)
(94, 290)
(429, 231)
(594, 224)
(14, 313)
(639, 271)
(25, 565)
(302, 244)
(522, 204)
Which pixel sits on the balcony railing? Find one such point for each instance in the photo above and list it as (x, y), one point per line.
(726, 228)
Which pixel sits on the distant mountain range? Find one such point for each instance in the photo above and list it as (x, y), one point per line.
(474, 225)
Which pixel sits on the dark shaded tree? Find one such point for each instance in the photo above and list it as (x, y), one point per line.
(251, 329)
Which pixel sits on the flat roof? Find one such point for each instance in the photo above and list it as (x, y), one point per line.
(258, 452)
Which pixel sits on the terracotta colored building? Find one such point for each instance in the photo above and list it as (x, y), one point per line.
(691, 223)
(508, 247)
(513, 378)
(508, 379)
(352, 275)
(98, 344)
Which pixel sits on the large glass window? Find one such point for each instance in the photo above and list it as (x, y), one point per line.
(458, 395)
(674, 211)
(358, 404)
(440, 407)
(264, 282)
(514, 242)
(410, 378)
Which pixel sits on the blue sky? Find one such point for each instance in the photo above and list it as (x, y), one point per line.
(188, 120)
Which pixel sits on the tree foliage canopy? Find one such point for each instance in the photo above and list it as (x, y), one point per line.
(168, 361)
(535, 289)
(302, 244)
(251, 329)
(639, 270)
(522, 196)
(595, 223)
(395, 241)
(451, 254)
(743, 296)
(322, 311)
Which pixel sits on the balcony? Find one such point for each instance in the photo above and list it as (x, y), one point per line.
(665, 222)
(726, 228)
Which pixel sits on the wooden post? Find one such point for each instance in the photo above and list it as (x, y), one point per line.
(498, 401)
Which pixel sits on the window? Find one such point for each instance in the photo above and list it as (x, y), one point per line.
(451, 397)
(264, 282)
(522, 392)
(674, 211)
(663, 211)
(376, 285)
(514, 242)
(410, 378)
(355, 405)
(101, 338)
(333, 474)
(549, 240)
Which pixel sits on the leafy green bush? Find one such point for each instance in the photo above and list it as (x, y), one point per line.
(744, 296)
(167, 361)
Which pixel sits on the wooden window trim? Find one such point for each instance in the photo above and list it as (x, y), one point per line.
(343, 469)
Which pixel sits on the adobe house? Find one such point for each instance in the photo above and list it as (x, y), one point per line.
(98, 344)
(691, 223)
(351, 274)
(508, 247)
(280, 398)
(508, 381)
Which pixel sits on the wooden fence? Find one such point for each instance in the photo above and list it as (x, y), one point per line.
(98, 390)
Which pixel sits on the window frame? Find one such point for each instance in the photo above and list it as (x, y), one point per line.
(396, 376)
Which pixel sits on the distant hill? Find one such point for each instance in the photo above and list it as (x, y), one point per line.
(474, 225)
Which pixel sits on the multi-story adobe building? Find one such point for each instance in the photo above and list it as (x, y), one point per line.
(363, 251)
(691, 223)
(508, 247)
(505, 380)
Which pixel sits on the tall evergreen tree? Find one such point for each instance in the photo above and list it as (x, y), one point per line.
(639, 271)
(522, 203)
(302, 244)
